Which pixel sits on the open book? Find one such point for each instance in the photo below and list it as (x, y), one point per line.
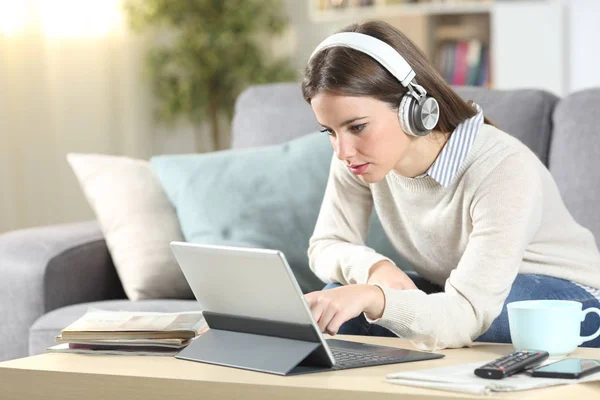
(116, 325)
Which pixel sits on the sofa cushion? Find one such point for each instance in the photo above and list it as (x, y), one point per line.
(275, 113)
(263, 197)
(43, 331)
(574, 156)
(271, 114)
(137, 221)
(524, 113)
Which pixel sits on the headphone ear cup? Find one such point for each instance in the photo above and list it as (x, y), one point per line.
(404, 114)
(415, 119)
(426, 114)
(414, 116)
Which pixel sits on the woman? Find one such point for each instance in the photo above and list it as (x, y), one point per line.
(471, 208)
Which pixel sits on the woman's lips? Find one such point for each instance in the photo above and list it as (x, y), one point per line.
(358, 169)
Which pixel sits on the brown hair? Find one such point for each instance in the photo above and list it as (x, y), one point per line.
(349, 72)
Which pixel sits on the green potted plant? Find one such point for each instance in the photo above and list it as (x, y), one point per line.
(203, 53)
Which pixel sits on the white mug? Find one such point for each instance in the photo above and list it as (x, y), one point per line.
(550, 325)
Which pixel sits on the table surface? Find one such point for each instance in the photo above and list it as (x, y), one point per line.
(77, 376)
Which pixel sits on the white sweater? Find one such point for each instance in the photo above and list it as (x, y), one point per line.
(501, 215)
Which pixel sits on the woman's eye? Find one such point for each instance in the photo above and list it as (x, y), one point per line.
(357, 128)
(327, 131)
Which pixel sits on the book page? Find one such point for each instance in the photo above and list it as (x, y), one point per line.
(125, 321)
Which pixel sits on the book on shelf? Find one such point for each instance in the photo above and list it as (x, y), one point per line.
(473, 62)
(464, 62)
(104, 325)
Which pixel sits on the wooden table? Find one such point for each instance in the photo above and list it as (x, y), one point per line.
(75, 376)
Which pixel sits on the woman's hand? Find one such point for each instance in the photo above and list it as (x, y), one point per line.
(384, 273)
(331, 308)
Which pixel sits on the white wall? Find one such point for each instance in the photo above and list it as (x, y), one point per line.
(529, 45)
(584, 44)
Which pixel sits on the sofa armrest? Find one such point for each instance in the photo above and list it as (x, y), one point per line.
(45, 268)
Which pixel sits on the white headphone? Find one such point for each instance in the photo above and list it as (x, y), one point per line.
(418, 112)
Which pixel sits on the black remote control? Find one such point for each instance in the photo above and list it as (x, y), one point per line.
(515, 362)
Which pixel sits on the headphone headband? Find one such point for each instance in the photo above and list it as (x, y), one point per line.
(385, 54)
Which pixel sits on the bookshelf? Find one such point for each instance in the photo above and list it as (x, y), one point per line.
(499, 44)
(331, 10)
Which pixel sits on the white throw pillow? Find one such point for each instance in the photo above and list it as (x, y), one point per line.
(138, 222)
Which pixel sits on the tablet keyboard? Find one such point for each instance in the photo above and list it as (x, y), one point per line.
(345, 358)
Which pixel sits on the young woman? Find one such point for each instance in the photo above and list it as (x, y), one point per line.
(472, 209)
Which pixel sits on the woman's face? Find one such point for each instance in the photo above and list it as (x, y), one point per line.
(365, 134)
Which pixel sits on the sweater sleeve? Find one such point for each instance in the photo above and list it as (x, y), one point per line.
(506, 212)
(337, 251)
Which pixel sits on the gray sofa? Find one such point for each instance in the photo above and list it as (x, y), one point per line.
(51, 275)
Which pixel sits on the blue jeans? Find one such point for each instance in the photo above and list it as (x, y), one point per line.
(525, 287)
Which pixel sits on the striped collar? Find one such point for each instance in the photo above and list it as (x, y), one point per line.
(455, 151)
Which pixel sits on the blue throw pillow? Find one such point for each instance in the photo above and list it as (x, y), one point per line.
(264, 197)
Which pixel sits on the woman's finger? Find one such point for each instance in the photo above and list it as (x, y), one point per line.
(336, 322)
(329, 311)
(311, 298)
(316, 309)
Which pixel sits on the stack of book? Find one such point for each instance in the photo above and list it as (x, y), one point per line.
(131, 333)
(464, 62)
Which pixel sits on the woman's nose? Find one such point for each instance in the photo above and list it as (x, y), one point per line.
(344, 148)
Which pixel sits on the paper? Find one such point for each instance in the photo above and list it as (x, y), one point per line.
(137, 321)
(175, 343)
(460, 378)
(64, 348)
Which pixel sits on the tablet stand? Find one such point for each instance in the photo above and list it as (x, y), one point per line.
(280, 348)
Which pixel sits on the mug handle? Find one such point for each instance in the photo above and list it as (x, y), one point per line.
(585, 312)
